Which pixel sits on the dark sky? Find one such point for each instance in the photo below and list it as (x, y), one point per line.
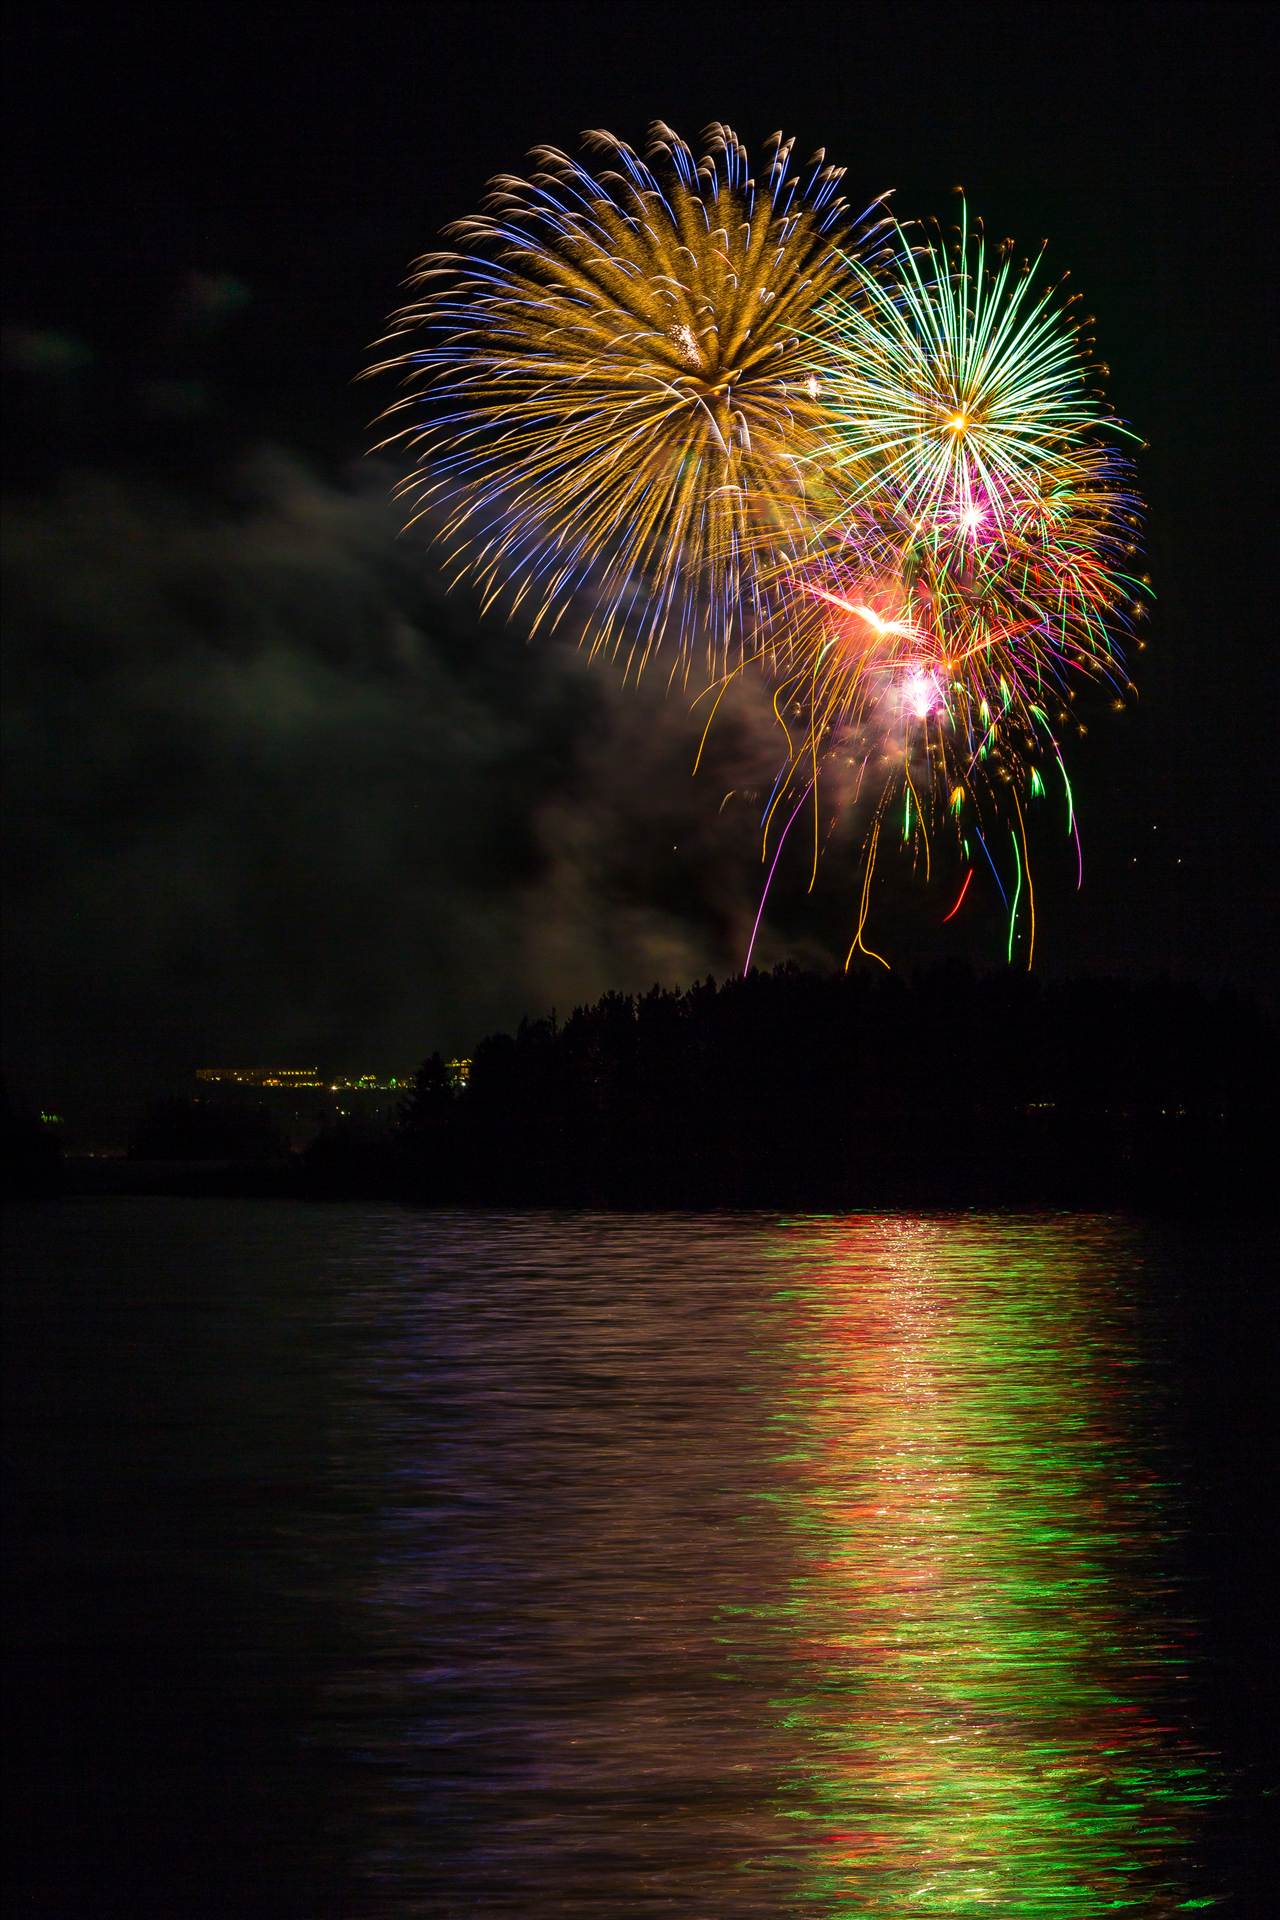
(270, 795)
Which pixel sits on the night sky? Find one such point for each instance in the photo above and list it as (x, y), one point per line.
(271, 794)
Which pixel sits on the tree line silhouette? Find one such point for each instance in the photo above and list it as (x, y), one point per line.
(781, 1089)
(794, 1089)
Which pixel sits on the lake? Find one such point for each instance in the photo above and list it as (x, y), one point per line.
(373, 1562)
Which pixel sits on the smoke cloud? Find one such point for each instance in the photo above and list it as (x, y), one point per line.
(275, 795)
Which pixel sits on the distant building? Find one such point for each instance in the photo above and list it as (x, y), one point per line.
(299, 1079)
(303, 1101)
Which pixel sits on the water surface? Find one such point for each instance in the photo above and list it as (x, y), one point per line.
(719, 1566)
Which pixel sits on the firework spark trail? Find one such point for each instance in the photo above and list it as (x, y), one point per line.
(960, 902)
(1017, 894)
(751, 944)
(995, 871)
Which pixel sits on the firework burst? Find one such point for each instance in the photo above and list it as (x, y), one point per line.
(609, 401)
(979, 560)
(687, 411)
(957, 384)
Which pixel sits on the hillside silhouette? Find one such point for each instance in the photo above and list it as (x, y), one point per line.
(778, 1090)
(799, 1090)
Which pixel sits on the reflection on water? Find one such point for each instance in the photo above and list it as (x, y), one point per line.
(727, 1568)
(376, 1565)
(984, 1655)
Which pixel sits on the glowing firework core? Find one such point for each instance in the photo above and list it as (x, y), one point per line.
(920, 690)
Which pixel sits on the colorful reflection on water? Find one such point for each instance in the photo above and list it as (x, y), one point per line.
(733, 1567)
(986, 1653)
(465, 1566)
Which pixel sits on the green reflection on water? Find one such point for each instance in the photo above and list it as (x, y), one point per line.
(986, 1651)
